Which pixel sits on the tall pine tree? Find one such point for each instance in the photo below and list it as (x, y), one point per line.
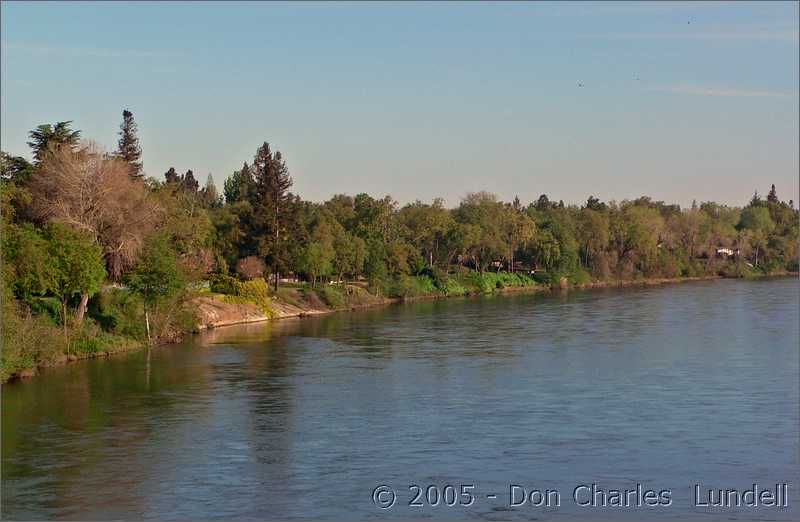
(129, 149)
(270, 200)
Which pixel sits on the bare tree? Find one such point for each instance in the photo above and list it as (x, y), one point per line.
(92, 190)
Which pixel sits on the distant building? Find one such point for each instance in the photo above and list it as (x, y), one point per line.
(727, 252)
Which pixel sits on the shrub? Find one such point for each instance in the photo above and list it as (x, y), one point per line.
(27, 340)
(118, 311)
(580, 277)
(255, 291)
(333, 296)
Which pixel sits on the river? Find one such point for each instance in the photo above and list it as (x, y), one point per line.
(656, 388)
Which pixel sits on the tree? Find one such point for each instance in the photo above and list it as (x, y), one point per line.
(209, 193)
(757, 221)
(92, 191)
(47, 137)
(26, 261)
(128, 144)
(250, 267)
(425, 226)
(77, 266)
(375, 264)
(14, 168)
(189, 183)
(156, 275)
(351, 252)
(593, 232)
(482, 210)
(237, 187)
(772, 197)
(270, 201)
(172, 177)
(317, 260)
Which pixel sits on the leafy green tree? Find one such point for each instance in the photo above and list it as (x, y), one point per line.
(351, 252)
(26, 259)
(425, 226)
(77, 267)
(14, 168)
(482, 210)
(128, 144)
(317, 260)
(375, 264)
(593, 232)
(757, 221)
(156, 275)
(46, 136)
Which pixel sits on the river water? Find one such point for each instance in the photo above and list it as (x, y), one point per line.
(660, 388)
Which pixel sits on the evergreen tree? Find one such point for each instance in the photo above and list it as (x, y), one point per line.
(171, 176)
(270, 200)
(772, 197)
(209, 193)
(129, 149)
(188, 182)
(43, 136)
(237, 186)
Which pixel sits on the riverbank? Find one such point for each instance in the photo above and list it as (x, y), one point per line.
(217, 310)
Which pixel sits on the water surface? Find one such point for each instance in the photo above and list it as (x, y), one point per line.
(664, 387)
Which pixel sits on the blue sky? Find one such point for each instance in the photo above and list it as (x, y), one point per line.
(423, 100)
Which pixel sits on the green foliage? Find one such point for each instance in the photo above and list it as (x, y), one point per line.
(255, 291)
(45, 137)
(156, 275)
(119, 311)
(77, 265)
(333, 295)
(90, 339)
(27, 340)
(27, 258)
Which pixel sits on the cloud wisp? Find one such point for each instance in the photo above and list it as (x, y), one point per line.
(82, 52)
(700, 90)
(787, 36)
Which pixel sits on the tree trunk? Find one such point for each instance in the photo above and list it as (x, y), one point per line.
(64, 315)
(147, 322)
(81, 308)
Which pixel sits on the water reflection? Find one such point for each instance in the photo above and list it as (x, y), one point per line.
(304, 417)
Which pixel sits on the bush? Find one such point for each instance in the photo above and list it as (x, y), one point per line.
(255, 291)
(91, 339)
(27, 340)
(580, 277)
(118, 311)
(333, 296)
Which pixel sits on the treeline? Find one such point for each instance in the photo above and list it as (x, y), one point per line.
(77, 219)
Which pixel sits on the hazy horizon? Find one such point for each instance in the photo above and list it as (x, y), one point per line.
(676, 101)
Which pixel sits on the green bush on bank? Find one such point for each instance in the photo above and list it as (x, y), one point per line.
(254, 291)
(28, 340)
(119, 312)
(334, 295)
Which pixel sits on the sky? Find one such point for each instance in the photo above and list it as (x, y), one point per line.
(678, 101)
